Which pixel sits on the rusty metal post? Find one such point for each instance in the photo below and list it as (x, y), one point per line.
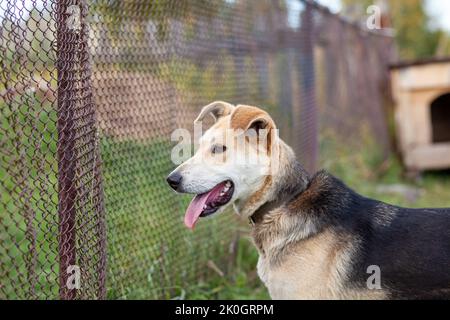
(309, 118)
(67, 43)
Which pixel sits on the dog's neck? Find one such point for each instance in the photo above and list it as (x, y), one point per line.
(291, 180)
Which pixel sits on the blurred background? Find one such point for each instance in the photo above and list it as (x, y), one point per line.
(91, 92)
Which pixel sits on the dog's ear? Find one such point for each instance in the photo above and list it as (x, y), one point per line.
(248, 117)
(217, 109)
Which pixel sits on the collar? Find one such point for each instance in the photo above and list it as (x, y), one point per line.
(268, 206)
(258, 215)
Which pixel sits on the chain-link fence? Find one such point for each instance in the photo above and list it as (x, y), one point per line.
(90, 93)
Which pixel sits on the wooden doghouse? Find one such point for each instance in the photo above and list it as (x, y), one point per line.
(421, 92)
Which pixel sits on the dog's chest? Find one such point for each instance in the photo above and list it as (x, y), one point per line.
(311, 269)
(301, 276)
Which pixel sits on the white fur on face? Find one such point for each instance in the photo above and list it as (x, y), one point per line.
(244, 162)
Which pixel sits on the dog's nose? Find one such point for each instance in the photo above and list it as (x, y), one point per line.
(174, 180)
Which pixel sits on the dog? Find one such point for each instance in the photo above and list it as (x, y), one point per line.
(316, 238)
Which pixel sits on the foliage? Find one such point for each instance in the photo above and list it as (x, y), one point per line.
(414, 36)
(114, 13)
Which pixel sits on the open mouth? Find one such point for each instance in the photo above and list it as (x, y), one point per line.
(206, 204)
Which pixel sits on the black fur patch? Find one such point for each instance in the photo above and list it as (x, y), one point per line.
(410, 246)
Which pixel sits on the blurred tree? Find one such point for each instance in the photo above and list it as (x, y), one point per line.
(116, 12)
(414, 37)
(443, 48)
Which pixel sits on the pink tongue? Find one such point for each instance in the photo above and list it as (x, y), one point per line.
(195, 208)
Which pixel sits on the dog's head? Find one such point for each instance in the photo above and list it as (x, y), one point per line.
(232, 161)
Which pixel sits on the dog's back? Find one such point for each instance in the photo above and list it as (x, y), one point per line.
(411, 248)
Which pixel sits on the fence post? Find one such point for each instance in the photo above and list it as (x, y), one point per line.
(67, 42)
(309, 118)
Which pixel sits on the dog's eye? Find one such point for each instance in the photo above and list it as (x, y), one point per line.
(218, 148)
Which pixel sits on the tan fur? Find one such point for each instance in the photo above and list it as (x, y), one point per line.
(243, 115)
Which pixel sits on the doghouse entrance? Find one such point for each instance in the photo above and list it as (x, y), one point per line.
(440, 118)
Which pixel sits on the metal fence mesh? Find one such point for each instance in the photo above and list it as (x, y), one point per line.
(352, 82)
(28, 165)
(90, 94)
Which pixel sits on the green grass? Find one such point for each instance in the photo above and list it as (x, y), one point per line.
(28, 200)
(365, 171)
(241, 282)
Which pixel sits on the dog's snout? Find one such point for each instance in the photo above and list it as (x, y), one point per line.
(174, 180)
